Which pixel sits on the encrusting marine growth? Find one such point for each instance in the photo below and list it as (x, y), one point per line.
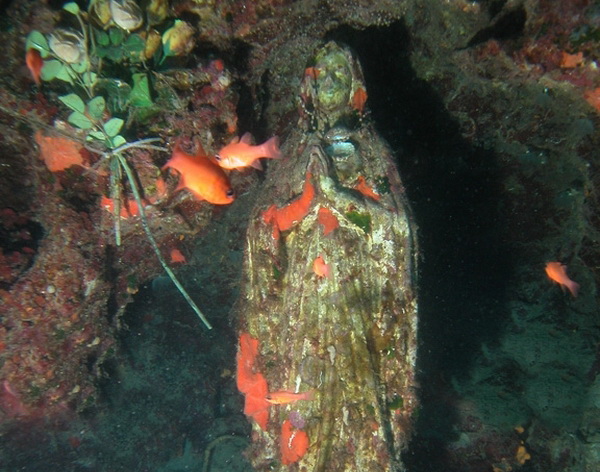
(328, 309)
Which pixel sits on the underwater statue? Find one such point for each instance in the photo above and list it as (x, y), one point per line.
(328, 306)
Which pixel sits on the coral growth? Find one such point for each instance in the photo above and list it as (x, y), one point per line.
(55, 332)
(60, 153)
(251, 382)
(293, 443)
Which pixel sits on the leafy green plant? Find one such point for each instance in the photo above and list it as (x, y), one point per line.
(79, 58)
(106, 58)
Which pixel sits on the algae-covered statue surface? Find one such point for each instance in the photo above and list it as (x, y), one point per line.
(328, 310)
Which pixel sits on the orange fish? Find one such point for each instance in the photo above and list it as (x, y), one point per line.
(201, 176)
(558, 272)
(321, 268)
(239, 154)
(283, 397)
(34, 62)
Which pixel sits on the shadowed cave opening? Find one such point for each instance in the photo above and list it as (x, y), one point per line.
(453, 190)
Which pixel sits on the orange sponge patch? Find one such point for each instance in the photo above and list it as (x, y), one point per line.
(321, 268)
(359, 99)
(294, 443)
(364, 188)
(256, 406)
(252, 384)
(328, 220)
(59, 153)
(284, 218)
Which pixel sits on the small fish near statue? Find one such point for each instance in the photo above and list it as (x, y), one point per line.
(328, 306)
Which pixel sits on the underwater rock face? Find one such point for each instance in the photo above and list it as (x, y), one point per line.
(329, 290)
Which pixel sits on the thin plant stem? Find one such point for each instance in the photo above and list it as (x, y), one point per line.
(138, 199)
(89, 89)
(142, 143)
(115, 195)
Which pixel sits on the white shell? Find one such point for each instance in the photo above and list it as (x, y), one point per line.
(126, 14)
(67, 45)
